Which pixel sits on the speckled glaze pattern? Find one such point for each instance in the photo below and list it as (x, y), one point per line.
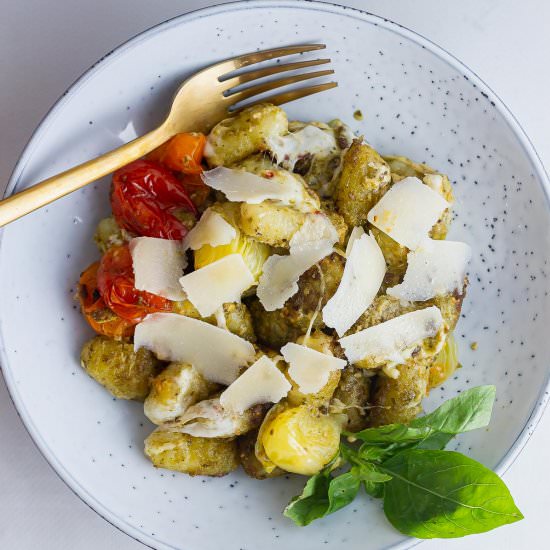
(417, 101)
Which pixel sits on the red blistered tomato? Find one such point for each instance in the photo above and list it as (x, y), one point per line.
(115, 281)
(197, 190)
(99, 316)
(146, 198)
(182, 153)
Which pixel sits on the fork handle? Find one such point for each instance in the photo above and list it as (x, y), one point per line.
(62, 184)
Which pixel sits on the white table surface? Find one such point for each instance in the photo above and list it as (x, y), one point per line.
(46, 44)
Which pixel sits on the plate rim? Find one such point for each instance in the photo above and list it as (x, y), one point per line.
(313, 5)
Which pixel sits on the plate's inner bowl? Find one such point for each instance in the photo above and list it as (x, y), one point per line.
(414, 103)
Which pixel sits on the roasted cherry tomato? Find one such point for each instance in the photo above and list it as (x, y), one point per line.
(99, 316)
(197, 190)
(146, 199)
(115, 281)
(182, 153)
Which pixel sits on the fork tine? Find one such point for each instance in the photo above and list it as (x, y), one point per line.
(230, 65)
(274, 84)
(268, 71)
(286, 97)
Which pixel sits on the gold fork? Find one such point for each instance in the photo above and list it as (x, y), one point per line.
(200, 102)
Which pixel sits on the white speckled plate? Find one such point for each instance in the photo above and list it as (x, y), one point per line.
(417, 100)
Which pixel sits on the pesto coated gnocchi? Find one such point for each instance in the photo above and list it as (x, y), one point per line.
(254, 280)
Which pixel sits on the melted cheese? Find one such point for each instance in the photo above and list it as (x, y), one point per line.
(433, 269)
(158, 264)
(394, 340)
(310, 369)
(262, 382)
(215, 284)
(363, 274)
(216, 353)
(408, 211)
(212, 230)
(288, 149)
(240, 186)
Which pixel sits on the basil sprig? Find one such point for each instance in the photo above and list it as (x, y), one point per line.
(427, 492)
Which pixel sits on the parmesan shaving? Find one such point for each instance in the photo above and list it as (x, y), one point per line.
(158, 264)
(393, 341)
(356, 233)
(434, 181)
(310, 369)
(211, 229)
(279, 280)
(363, 274)
(216, 353)
(240, 186)
(222, 281)
(262, 382)
(408, 211)
(310, 244)
(433, 269)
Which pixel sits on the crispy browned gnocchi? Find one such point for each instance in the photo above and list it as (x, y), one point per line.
(399, 400)
(351, 398)
(126, 373)
(174, 390)
(238, 137)
(196, 456)
(249, 461)
(364, 178)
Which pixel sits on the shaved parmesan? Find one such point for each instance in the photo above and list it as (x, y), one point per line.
(310, 369)
(395, 340)
(211, 229)
(158, 264)
(408, 211)
(262, 382)
(240, 186)
(317, 231)
(363, 274)
(216, 353)
(433, 269)
(309, 245)
(217, 283)
(311, 140)
(356, 233)
(279, 280)
(434, 181)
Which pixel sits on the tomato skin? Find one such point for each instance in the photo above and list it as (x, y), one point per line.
(115, 282)
(99, 316)
(197, 190)
(145, 197)
(182, 153)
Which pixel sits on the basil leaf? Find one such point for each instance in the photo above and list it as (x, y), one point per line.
(322, 496)
(393, 433)
(375, 490)
(444, 494)
(468, 411)
(342, 490)
(312, 503)
(372, 478)
(436, 441)
(369, 472)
